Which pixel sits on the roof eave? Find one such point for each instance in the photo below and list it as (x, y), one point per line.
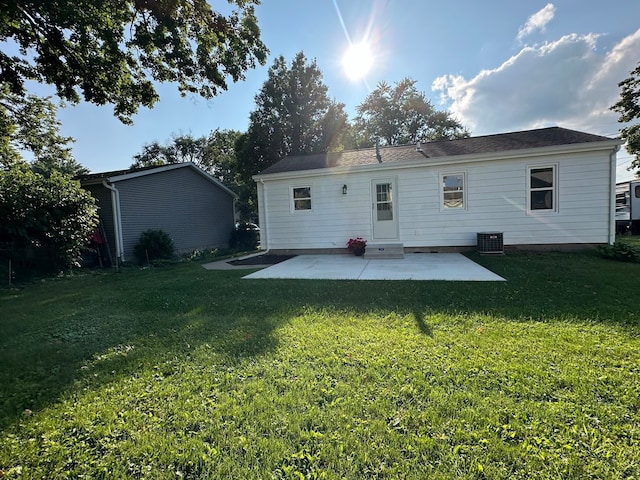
(606, 145)
(163, 168)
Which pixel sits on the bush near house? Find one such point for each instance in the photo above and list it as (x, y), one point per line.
(154, 245)
(245, 236)
(45, 221)
(621, 251)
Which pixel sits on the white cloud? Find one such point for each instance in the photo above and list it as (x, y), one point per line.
(566, 82)
(569, 83)
(537, 21)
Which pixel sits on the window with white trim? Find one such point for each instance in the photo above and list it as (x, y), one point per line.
(453, 194)
(542, 182)
(301, 197)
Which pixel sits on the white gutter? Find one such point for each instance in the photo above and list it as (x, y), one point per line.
(117, 223)
(612, 196)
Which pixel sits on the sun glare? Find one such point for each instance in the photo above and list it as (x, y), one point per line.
(357, 61)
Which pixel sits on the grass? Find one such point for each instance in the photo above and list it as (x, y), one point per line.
(178, 372)
(633, 241)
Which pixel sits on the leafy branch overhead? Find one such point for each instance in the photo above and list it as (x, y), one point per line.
(111, 51)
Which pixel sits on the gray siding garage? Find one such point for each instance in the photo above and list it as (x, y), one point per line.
(194, 208)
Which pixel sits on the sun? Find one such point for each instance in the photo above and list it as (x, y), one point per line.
(357, 61)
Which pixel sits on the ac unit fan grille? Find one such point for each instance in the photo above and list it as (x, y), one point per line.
(490, 242)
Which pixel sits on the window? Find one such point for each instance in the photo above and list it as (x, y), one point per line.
(453, 191)
(384, 202)
(302, 198)
(542, 188)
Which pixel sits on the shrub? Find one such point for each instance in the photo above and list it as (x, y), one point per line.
(46, 221)
(619, 251)
(153, 245)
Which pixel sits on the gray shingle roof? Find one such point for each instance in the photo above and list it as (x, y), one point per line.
(113, 173)
(544, 137)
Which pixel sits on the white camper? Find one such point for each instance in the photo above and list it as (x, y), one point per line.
(628, 207)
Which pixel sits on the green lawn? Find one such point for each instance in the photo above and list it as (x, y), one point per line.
(632, 240)
(179, 372)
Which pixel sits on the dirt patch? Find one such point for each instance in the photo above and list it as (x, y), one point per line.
(261, 260)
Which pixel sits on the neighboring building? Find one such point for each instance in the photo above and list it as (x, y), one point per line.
(195, 209)
(538, 188)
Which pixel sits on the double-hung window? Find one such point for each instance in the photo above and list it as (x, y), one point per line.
(301, 197)
(453, 194)
(543, 188)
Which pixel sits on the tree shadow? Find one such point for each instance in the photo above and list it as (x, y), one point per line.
(423, 326)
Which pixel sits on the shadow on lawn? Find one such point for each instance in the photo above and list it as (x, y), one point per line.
(423, 326)
(67, 335)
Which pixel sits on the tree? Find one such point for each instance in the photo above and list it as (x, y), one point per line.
(181, 148)
(29, 124)
(51, 215)
(629, 109)
(400, 115)
(214, 153)
(293, 116)
(111, 51)
(221, 152)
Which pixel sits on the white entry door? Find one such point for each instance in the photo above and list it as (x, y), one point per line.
(385, 209)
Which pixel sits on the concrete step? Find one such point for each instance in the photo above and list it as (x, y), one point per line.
(384, 250)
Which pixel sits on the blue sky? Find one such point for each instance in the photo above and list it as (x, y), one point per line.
(498, 65)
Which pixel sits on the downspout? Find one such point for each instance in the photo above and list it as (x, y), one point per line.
(117, 223)
(234, 206)
(266, 215)
(612, 196)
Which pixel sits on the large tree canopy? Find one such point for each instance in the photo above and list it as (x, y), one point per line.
(401, 114)
(629, 109)
(293, 115)
(111, 51)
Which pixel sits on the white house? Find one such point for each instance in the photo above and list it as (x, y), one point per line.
(548, 187)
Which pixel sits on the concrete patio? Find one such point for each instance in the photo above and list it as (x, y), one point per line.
(414, 266)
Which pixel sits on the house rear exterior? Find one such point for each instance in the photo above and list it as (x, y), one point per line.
(195, 209)
(539, 188)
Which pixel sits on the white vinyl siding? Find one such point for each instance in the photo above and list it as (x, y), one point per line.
(495, 199)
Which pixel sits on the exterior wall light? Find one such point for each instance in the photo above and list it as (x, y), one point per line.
(344, 189)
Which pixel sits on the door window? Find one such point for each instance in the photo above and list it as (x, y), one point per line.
(384, 202)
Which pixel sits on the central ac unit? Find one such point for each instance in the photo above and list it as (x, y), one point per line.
(490, 242)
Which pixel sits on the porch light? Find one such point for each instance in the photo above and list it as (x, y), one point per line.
(344, 189)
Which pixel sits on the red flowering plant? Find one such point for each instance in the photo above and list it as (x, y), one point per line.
(357, 245)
